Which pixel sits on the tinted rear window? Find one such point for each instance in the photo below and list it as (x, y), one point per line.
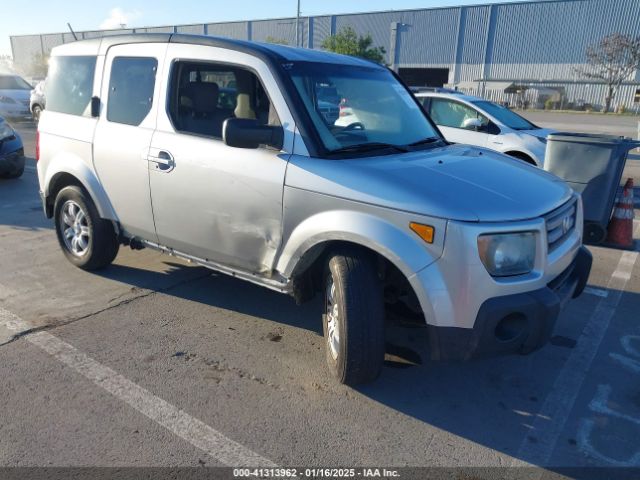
(70, 84)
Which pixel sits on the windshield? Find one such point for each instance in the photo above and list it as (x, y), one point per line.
(13, 82)
(506, 116)
(364, 107)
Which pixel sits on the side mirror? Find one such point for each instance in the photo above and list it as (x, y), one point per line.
(472, 124)
(247, 133)
(95, 107)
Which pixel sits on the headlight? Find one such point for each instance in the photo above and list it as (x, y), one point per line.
(508, 254)
(5, 131)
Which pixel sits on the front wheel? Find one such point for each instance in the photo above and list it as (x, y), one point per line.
(353, 322)
(88, 241)
(17, 174)
(36, 112)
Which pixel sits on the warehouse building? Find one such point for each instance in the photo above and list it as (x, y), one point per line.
(527, 53)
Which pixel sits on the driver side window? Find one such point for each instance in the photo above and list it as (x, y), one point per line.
(204, 95)
(448, 113)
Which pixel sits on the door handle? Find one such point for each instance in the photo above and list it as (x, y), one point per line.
(164, 161)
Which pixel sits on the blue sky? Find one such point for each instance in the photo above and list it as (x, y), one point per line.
(47, 16)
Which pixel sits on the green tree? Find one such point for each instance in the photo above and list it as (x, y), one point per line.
(348, 42)
(278, 41)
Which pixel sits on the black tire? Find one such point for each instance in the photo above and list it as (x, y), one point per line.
(358, 301)
(102, 244)
(16, 174)
(35, 113)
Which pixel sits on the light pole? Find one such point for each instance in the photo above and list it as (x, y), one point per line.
(298, 25)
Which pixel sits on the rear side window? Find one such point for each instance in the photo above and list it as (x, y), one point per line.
(70, 84)
(131, 89)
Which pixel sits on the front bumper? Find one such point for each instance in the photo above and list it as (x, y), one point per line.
(521, 322)
(11, 156)
(16, 110)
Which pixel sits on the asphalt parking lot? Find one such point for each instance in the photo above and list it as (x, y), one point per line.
(154, 362)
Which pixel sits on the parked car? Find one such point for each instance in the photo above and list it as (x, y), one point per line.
(475, 121)
(37, 101)
(11, 152)
(485, 250)
(14, 97)
(435, 90)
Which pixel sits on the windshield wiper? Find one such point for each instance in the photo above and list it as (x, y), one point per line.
(368, 147)
(425, 141)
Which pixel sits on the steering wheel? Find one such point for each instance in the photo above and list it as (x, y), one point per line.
(353, 126)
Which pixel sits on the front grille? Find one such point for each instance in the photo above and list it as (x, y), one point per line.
(560, 224)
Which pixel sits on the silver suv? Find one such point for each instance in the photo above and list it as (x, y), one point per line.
(221, 152)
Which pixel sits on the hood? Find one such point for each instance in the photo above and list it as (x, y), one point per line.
(539, 132)
(454, 182)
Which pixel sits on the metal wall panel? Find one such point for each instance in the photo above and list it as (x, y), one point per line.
(281, 29)
(25, 50)
(472, 42)
(50, 41)
(104, 33)
(543, 40)
(428, 36)
(156, 29)
(548, 39)
(378, 25)
(321, 30)
(68, 37)
(237, 30)
(197, 29)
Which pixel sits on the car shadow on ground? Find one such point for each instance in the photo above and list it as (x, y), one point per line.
(493, 402)
(199, 284)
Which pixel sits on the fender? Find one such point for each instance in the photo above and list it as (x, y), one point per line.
(404, 249)
(519, 149)
(69, 163)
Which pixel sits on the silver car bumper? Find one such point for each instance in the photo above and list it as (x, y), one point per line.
(462, 302)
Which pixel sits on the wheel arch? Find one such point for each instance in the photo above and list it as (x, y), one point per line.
(69, 170)
(520, 155)
(316, 237)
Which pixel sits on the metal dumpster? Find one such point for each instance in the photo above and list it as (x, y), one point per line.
(592, 165)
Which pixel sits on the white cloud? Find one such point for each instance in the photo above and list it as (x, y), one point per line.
(118, 17)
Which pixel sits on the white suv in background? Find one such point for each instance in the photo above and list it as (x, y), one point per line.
(475, 121)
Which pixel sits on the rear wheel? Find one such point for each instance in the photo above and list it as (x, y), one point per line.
(353, 322)
(35, 113)
(88, 241)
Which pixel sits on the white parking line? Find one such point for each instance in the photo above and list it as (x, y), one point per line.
(598, 292)
(550, 421)
(194, 431)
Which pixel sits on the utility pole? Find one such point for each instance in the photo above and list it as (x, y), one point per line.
(298, 25)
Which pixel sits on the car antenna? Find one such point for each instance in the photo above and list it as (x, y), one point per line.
(75, 37)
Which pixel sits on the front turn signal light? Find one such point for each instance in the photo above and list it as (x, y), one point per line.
(425, 232)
